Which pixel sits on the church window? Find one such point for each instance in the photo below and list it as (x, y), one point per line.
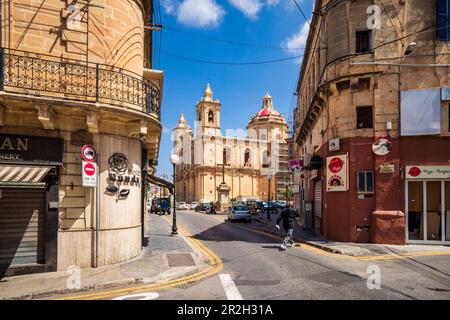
(226, 158)
(247, 157)
(266, 159)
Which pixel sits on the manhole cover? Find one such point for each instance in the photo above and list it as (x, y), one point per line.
(180, 260)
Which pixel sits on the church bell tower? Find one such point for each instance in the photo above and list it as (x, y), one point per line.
(208, 114)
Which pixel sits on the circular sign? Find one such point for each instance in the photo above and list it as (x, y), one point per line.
(316, 162)
(89, 169)
(414, 172)
(336, 165)
(381, 147)
(88, 153)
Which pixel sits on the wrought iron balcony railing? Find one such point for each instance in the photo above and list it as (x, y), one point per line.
(47, 76)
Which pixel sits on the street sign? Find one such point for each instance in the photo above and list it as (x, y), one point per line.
(88, 153)
(89, 174)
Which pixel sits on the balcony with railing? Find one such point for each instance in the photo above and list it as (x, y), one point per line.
(39, 75)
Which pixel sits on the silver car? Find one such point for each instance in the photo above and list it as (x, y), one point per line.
(239, 212)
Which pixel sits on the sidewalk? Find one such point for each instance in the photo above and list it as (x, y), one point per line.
(165, 258)
(345, 248)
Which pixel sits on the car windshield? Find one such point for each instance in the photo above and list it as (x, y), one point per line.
(240, 208)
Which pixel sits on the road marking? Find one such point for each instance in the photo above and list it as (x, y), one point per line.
(230, 288)
(139, 296)
(314, 249)
(215, 265)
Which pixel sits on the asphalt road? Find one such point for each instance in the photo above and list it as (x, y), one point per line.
(254, 268)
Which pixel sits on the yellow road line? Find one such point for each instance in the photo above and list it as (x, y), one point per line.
(215, 265)
(343, 256)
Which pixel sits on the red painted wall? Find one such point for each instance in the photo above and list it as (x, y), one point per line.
(344, 211)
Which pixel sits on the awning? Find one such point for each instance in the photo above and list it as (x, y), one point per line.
(22, 174)
(160, 182)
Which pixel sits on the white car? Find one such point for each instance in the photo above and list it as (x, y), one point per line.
(194, 204)
(239, 212)
(182, 206)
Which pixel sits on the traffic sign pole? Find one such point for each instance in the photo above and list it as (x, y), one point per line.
(97, 215)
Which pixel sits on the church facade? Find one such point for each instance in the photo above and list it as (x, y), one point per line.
(246, 160)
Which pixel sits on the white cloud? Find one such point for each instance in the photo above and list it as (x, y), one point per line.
(169, 6)
(272, 2)
(295, 43)
(250, 8)
(195, 13)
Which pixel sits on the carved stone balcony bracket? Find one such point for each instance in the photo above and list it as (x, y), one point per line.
(46, 116)
(138, 129)
(92, 121)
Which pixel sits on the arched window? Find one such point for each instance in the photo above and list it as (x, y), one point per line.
(210, 117)
(266, 159)
(247, 157)
(226, 157)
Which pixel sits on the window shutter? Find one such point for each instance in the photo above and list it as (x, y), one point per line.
(442, 20)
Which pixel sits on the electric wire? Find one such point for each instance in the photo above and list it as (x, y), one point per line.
(229, 63)
(232, 42)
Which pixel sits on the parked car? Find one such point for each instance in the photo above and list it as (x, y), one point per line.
(281, 203)
(260, 206)
(194, 205)
(182, 206)
(203, 207)
(239, 212)
(160, 205)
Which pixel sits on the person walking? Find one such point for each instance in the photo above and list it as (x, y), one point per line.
(288, 216)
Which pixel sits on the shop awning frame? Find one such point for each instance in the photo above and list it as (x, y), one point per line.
(160, 182)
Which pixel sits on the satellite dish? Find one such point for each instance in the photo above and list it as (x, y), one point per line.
(382, 147)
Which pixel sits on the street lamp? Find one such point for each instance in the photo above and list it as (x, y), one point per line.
(174, 158)
(269, 177)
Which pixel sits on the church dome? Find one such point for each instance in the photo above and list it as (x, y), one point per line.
(267, 109)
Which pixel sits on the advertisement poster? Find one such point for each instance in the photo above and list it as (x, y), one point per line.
(337, 173)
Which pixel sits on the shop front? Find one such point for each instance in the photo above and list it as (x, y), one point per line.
(427, 204)
(29, 174)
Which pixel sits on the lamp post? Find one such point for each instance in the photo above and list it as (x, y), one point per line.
(174, 159)
(269, 177)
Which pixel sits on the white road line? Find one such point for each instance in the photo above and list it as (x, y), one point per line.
(230, 288)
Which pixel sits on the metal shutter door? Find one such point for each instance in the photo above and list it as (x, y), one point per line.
(22, 225)
(318, 198)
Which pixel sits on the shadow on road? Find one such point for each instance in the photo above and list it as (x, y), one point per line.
(227, 232)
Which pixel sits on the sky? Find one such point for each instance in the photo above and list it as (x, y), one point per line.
(271, 30)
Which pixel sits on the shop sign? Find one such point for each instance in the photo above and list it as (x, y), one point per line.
(296, 188)
(89, 174)
(295, 164)
(387, 168)
(30, 149)
(427, 172)
(316, 162)
(337, 173)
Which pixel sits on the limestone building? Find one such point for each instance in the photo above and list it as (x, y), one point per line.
(372, 122)
(246, 157)
(75, 73)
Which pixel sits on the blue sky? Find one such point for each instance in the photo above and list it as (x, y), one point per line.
(275, 23)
